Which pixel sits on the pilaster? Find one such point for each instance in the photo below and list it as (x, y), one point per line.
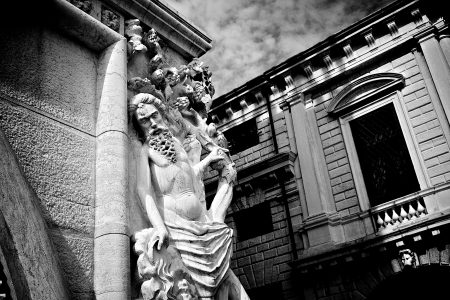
(437, 64)
(319, 224)
(112, 243)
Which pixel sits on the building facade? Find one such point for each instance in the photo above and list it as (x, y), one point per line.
(343, 161)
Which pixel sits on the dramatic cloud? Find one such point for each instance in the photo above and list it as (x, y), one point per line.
(251, 36)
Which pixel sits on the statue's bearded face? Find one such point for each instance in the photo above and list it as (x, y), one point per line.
(159, 138)
(150, 119)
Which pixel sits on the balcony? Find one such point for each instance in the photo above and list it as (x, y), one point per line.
(409, 209)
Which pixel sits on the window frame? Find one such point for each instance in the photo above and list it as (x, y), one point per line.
(411, 143)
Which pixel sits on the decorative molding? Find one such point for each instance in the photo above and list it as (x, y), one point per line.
(308, 71)
(274, 89)
(417, 16)
(243, 104)
(281, 165)
(176, 30)
(110, 19)
(371, 248)
(364, 89)
(84, 5)
(229, 112)
(425, 34)
(289, 82)
(328, 61)
(370, 40)
(392, 26)
(348, 50)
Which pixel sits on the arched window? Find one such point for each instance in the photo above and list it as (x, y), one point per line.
(382, 153)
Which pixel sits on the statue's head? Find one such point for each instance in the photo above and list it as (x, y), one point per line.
(148, 116)
(408, 258)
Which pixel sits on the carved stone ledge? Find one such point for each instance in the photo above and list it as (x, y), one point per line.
(178, 32)
(403, 250)
(282, 165)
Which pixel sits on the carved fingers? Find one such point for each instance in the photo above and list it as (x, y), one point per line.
(182, 103)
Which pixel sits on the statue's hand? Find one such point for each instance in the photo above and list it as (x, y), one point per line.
(217, 154)
(182, 103)
(162, 237)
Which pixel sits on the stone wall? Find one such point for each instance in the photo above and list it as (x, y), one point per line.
(47, 100)
(263, 260)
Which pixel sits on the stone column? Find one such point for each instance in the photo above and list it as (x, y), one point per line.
(438, 66)
(444, 41)
(112, 243)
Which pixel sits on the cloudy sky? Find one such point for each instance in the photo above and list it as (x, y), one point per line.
(251, 36)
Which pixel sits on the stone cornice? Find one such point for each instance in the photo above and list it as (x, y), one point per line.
(169, 24)
(360, 28)
(281, 165)
(345, 52)
(320, 259)
(79, 25)
(425, 34)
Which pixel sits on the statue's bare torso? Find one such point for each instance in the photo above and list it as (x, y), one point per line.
(177, 187)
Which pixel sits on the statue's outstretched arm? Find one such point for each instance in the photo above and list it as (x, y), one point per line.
(147, 197)
(213, 156)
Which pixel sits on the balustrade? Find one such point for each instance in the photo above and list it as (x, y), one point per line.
(398, 212)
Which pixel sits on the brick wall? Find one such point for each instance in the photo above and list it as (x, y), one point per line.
(264, 259)
(336, 158)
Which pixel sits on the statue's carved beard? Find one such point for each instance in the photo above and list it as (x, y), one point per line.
(163, 144)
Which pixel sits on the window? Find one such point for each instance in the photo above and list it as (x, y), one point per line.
(253, 221)
(242, 136)
(382, 155)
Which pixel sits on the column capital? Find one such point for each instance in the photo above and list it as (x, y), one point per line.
(426, 34)
(294, 98)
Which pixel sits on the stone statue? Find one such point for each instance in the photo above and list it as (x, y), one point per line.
(408, 258)
(186, 254)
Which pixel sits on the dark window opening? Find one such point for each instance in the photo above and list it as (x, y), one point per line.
(269, 291)
(253, 221)
(242, 137)
(387, 168)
